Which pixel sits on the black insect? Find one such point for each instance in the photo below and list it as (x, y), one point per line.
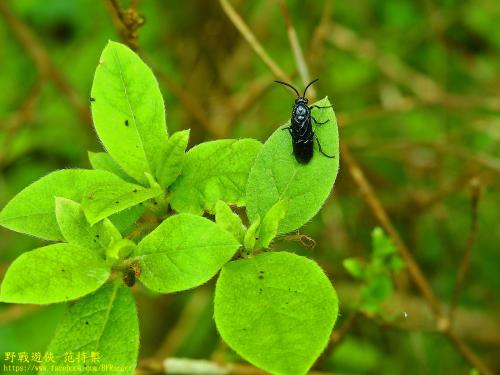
(130, 275)
(129, 278)
(301, 128)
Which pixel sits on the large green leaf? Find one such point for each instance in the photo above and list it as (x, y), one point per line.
(183, 252)
(128, 111)
(54, 273)
(212, 171)
(104, 323)
(276, 310)
(32, 211)
(105, 199)
(77, 230)
(276, 175)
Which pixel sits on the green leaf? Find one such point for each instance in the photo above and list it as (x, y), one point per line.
(105, 199)
(128, 111)
(276, 310)
(77, 230)
(32, 211)
(172, 158)
(183, 252)
(270, 223)
(103, 162)
(354, 267)
(104, 322)
(213, 171)
(125, 220)
(54, 273)
(382, 245)
(376, 292)
(251, 235)
(276, 175)
(230, 221)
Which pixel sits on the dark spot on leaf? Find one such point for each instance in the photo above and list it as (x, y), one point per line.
(96, 236)
(117, 202)
(135, 191)
(62, 270)
(155, 203)
(126, 122)
(92, 99)
(86, 322)
(260, 290)
(140, 204)
(261, 277)
(95, 240)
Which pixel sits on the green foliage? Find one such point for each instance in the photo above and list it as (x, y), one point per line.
(103, 162)
(183, 252)
(54, 273)
(276, 310)
(32, 211)
(213, 171)
(252, 234)
(76, 230)
(230, 221)
(276, 175)
(376, 274)
(105, 199)
(172, 158)
(104, 322)
(137, 215)
(128, 111)
(269, 227)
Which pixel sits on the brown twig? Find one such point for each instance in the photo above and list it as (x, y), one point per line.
(128, 21)
(43, 61)
(16, 120)
(464, 263)
(338, 336)
(296, 49)
(252, 40)
(380, 214)
(200, 366)
(424, 88)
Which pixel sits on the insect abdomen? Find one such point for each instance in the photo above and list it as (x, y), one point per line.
(303, 150)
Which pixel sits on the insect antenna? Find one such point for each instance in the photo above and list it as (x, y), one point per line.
(310, 83)
(287, 84)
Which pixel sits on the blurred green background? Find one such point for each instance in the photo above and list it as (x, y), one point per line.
(416, 88)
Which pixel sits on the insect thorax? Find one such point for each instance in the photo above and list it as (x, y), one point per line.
(300, 112)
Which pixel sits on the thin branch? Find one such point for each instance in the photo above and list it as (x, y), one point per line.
(380, 214)
(16, 120)
(471, 239)
(203, 367)
(252, 40)
(43, 61)
(128, 21)
(296, 49)
(424, 88)
(338, 336)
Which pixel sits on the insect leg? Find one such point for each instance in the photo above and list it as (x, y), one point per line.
(319, 123)
(321, 150)
(319, 107)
